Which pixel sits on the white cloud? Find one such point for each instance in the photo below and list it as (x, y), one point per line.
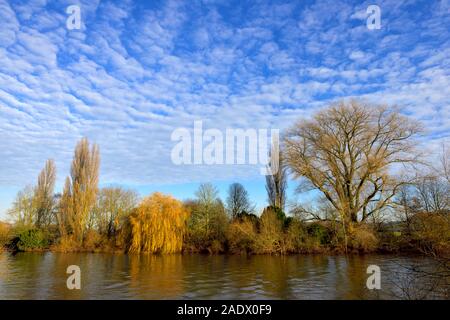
(133, 74)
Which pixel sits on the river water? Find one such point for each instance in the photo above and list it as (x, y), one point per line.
(120, 276)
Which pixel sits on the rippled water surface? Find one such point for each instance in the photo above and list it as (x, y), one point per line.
(104, 276)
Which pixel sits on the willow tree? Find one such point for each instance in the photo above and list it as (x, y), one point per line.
(43, 194)
(81, 188)
(158, 225)
(348, 152)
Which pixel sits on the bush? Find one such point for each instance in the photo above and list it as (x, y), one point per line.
(241, 236)
(92, 240)
(431, 232)
(32, 239)
(5, 234)
(363, 239)
(319, 232)
(66, 243)
(270, 237)
(295, 237)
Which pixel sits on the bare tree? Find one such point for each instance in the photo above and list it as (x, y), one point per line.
(206, 208)
(23, 212)
(238, 202)
(81, 188)
(347, 152)
(433, 193)
(445, 162)
(43, 194)
(114, 204)
(432, 184)
(406, 206)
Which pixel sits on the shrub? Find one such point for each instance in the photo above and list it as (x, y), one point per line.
(5, 234)
(431, 232)
(363, 239)
(92, 240)
(319, 232)
(295, 237)
(270, 237)
(241, 236)
(216, 246)
(66, 243)
(278, 212)
(392, 241)
(32, 239)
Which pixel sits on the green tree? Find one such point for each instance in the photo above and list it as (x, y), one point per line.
(208, 221)
(114, 204)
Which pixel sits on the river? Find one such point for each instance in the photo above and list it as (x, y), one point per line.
(121, 276)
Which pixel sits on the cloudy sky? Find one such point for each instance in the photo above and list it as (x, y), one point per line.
(136, 71)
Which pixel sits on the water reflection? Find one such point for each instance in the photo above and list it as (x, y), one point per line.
(104, 276)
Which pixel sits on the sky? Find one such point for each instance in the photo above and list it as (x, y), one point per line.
(136, 71)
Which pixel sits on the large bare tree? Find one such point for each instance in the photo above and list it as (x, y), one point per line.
(348, 152)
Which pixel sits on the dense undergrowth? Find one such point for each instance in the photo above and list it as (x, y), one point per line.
(270, 233)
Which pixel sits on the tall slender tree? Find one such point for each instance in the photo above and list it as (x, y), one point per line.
(276, 184)
(43, 194)
(81, 188)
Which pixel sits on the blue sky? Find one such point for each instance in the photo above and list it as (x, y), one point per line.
(136, 71)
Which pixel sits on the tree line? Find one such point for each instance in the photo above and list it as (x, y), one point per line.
(373, 191)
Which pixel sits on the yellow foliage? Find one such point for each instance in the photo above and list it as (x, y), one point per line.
(270, 237)
(158, 225)
(431, 231)
(66, 243)
(241, 236)
(5, 233)
(363, 238)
